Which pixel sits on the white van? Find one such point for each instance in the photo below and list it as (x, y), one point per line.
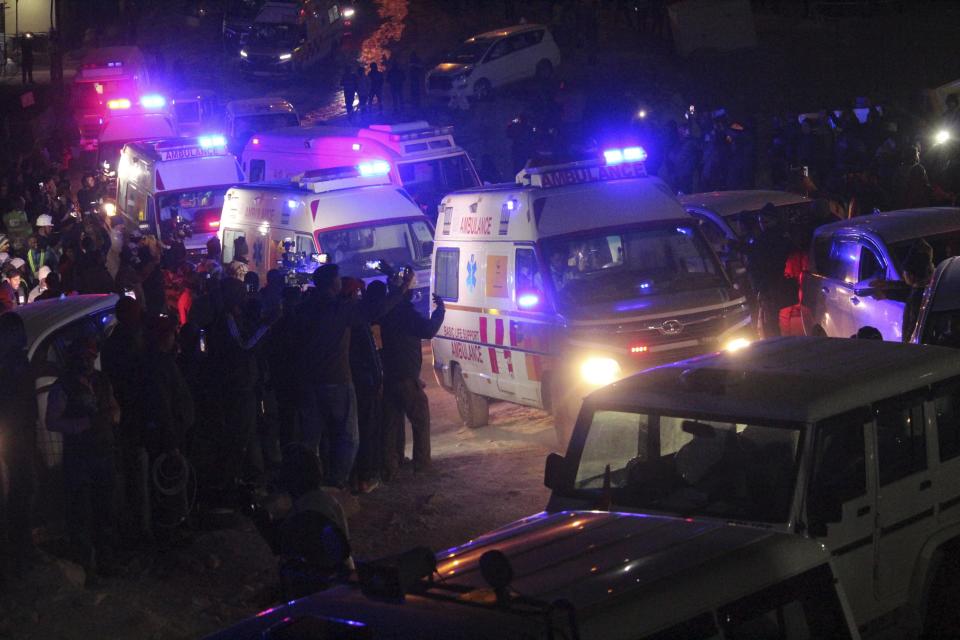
(425, 160)
(570, 278)
(177, 183)
(244, 118)
(854, 443)
(105, 74)
(128, 123)
(353, 215)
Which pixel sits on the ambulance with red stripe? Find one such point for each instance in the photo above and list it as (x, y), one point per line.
(567, 280)
(177, 184)
(349, 215)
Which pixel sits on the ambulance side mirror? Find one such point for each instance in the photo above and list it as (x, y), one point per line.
(556, 473)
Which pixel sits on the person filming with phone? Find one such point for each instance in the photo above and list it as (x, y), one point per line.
(402, 330)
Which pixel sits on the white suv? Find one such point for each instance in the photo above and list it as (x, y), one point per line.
(495, 58)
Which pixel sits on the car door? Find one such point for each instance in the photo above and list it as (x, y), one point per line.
(905, 496)
(495, 67)
(828, 288)
(840, 472)
(868, 306)
(939, 319)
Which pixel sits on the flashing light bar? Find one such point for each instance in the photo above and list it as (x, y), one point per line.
(209, 142)
(373, 168)
(118, 103)
(153, 101)
(627, 154)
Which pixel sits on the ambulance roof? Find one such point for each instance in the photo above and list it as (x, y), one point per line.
(137, 126)
(540, 212)
(259, 106)
(727, 203)
(407, 138)
(105, 56)
(507, 31)
(337, 208)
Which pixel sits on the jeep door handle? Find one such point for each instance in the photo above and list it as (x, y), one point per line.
(926, 484)
(862, 511)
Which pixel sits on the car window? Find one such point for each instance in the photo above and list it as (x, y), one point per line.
(48, 359)
(500, 49)
(840, 467)
(946, 403)
(871, 267)
(519, 42)
(901, 440)
(844, 261)
(447, 273)
(533, 37)
(713, 233)
(229, 236)
(527, 274)
(258, 170)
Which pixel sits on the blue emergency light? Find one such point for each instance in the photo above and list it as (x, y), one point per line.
(153, 101)
(209, 142)
(627, 154)
(373, 168)
(528, 300)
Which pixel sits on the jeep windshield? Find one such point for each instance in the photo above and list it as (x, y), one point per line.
(624, 267)
(686, 467)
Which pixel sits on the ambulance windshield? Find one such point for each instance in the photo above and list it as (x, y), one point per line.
(246, 126)
(400, 243)
(622, 268)
(191, 205)
(429, 180)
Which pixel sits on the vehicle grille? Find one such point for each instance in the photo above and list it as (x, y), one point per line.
(695, 326)
(441, 83)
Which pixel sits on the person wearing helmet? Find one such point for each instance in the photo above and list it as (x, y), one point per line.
(39, 255)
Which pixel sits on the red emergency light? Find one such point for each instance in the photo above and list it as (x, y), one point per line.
(638, 349)
(118, 103)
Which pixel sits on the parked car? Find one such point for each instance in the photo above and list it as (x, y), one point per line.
(855, 269)
(490, 60)
(939, 319)
(852, 443)
(51, 326)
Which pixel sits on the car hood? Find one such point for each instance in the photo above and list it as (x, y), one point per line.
(588, 558)
(450, 68)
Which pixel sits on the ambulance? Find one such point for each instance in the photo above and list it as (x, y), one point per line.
(244, 118)
(351, 216)
(569, 279)
(148, 117)
(424, 159)
(177, 184)
(105, 74)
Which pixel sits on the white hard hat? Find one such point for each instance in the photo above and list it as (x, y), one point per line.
(44, 220)
(18, 263)
(43, 272)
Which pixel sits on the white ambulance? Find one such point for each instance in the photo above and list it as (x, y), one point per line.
(177, 183)
(569, 279)
(104, 74)
(352, 216)
(131, 120)
(244, 118)
(425, 160)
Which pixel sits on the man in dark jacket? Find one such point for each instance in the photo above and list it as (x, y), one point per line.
(9, 288)
(18, 399)
(82, 407)
(323, 333)
(402, 331)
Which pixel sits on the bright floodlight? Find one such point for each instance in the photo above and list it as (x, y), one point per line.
(153, 101)
(941, 136)
(599, 371)
(634, 154)
(374, 168)
(613, 156)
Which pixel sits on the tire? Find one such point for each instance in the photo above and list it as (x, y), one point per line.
(474, 409)
(482, 89)
(544, 70)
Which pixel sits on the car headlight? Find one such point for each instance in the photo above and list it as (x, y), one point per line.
(243, 53)
(285, 56)
(599, 371)
(736, 344)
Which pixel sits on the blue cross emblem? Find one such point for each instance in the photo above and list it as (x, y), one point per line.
(472, 273)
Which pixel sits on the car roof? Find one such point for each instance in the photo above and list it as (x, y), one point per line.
(41, 317)
(896, 226)
(508, 31)
(250, 106)
(728, 203)
(796, 379)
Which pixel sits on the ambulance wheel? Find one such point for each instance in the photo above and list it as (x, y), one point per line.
(482, 89)
(474, 409)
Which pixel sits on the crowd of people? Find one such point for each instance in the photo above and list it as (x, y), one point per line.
(364, 85)
(208, 384)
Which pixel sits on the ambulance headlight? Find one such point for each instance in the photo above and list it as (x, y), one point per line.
(736, 344)
(243, 53)
(285, 56)
(599, 372)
